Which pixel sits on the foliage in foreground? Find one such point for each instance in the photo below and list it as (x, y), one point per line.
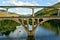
(7, 25)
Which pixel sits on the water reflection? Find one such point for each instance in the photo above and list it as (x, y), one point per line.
(19, 32)
(40, 33)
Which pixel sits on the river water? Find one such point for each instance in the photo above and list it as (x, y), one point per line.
(41, 33)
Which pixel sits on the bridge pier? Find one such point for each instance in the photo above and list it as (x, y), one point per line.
(28, 23)
(32, 23)
(6, 12)
(33, 12)
(22, 21)
(38, 21)
(58, 11)
(31, 33)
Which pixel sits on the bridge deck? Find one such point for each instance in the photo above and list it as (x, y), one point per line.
(35, 17)
(29, 6)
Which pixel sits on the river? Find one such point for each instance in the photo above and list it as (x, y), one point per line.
(41, 33)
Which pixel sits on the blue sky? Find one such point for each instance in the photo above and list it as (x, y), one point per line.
(26, 11)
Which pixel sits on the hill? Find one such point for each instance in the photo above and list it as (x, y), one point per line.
(10, 14)
(48, 11)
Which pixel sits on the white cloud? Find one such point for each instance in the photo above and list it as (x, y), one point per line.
(21, 11)
(49, 3)
(20, 3)
(58, 0)
(24, 13)
(3, 2)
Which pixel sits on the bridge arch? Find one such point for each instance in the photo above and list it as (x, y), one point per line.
(9, 20)
(45, 20)
(14, 19)
(52, 24)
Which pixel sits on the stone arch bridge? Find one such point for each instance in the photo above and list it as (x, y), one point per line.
(17, 19)
(27, 18)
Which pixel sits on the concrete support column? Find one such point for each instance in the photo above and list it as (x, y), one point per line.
(58, 11)
(38, 21)
(32, 23)
(28, 23)
(33, 12)
(22, 21)
(6, 11)
(32, 18)
(31, 33)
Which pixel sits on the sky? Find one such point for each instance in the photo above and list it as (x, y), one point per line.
(25, 11)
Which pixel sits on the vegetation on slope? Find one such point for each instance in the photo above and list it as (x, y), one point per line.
(52, 25)
(8, 25)
(10, 14)
(48, 11)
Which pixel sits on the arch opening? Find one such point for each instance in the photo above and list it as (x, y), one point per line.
(53, 24)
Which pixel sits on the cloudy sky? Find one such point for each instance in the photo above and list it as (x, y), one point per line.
(25, 11)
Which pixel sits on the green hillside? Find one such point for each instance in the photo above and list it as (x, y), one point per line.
(48, 11)
(8, 25)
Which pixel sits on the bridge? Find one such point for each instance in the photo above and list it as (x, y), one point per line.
(45, 18)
